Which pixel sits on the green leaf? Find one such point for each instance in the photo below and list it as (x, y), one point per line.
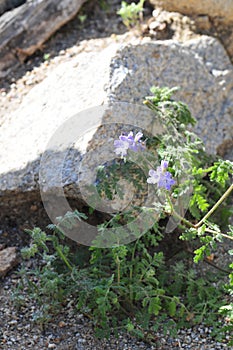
(154, 306)
(172, 308)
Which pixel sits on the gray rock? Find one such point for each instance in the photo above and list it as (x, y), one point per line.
(200, 67)
(222, 9)
(72, 87)
(8, 259)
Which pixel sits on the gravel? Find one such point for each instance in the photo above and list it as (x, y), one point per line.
(70, 330)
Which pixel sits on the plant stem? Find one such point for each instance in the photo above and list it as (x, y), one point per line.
(189, 224)
(217, 233)
(132, 258)
(118, 271)
(131, 270)
(224, 196)
(62, 256)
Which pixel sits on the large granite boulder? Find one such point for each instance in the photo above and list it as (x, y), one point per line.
(70, 88)
(200, 67)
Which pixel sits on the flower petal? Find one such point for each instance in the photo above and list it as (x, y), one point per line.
(164, 164)
(151, 180)
(138, 136)
(152, 173)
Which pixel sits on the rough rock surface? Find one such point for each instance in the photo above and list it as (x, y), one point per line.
(222, 9)
(72, 87)
(166, 25)
(8, 259)
(200, 67)
(225, 33)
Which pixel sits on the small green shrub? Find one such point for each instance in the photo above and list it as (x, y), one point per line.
(139, 286)
(131, 14)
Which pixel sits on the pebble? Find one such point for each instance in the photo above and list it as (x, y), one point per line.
(62, 324)
(80, 335)
(82, 340)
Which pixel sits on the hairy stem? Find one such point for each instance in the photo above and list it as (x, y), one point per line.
(63, 257)
(217, 233)
(131, 270)
(118, 271)
(178, 216)
(210, 212)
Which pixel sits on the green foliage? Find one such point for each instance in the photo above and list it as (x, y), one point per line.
(198, 293)
(108, 188)
(137, 286)
(46, 56)
(174, 111)
(82, 18)
(227, 310)
(104, 5)
(131, 13)
(51, 282)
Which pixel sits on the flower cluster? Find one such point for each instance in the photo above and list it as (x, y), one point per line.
(161, 176)
(129, 141)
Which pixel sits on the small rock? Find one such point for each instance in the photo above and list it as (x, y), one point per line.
(33, 208)
(8, 259)
(29, 81)
(203, 22)
(2, 246)
(221, 8)
(12, 323)
(62, 324)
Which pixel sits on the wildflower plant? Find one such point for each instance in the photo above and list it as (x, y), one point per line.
(152, 282)
(131, 14)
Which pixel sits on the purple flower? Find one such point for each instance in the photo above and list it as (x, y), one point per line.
(121, 147)
(161, 176)
(129, 142)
